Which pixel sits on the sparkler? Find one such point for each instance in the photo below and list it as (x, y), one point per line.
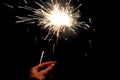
(54, 17)
(41, 57)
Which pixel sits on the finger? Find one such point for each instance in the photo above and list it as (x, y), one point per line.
(49, 68)
(42, 65)
(46, 64)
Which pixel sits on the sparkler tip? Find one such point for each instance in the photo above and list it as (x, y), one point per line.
(54, 17)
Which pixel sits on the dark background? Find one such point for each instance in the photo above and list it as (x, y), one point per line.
(21, 50)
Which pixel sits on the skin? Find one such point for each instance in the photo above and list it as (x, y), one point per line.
(40, 73)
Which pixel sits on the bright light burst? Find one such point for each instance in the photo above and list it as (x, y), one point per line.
(59, 18)
(55, 17)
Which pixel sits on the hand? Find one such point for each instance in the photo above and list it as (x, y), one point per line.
(40, 71)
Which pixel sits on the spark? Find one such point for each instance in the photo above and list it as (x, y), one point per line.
(25, 1)
(54, 17)
(8, 5)
(58, 19)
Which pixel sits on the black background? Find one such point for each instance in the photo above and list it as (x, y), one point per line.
(20, 51)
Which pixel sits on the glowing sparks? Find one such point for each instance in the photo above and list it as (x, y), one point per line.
(59, 18)
(55, 17)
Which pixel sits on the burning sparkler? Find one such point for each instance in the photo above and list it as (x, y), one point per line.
(56, 18)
